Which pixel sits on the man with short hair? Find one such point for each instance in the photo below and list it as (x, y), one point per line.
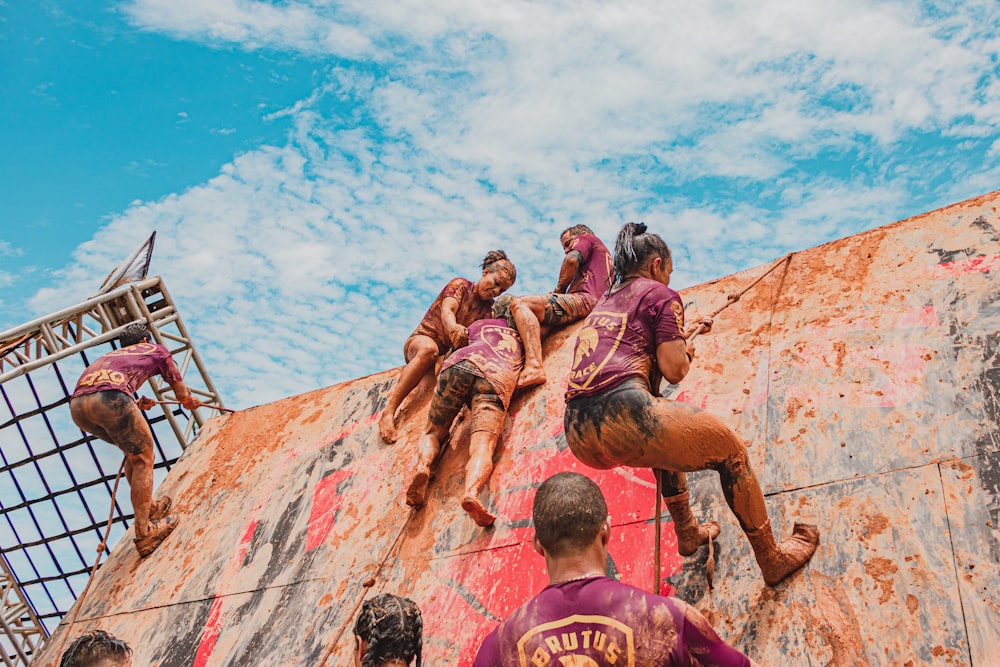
(97, 649)
(585, 618)
(585, 274)
(103, 404)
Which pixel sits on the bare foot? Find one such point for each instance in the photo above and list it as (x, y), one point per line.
(416, 492)
(387, 427)
(531, 377)
(478, 512)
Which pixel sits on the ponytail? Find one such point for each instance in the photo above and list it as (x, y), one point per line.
(634, 246)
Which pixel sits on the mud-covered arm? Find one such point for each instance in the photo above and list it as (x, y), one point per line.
(567, 272)
(457, 334)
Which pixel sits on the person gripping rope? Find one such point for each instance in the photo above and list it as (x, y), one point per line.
(483, 374)
(616, 417)
(102, 404)
(586, 618)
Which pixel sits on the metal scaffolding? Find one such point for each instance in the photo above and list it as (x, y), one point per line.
(56, 480)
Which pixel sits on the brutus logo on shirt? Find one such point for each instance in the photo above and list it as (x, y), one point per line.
(588, 359)
(577, 641)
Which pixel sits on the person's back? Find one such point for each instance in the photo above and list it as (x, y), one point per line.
(600, 622)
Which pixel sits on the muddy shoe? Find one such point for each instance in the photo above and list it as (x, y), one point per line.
(159, 508)
(690, 535)
(158, 531)
(478, 513)
(417, 490)
(779, 561)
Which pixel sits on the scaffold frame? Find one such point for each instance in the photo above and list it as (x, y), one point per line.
(56, 480)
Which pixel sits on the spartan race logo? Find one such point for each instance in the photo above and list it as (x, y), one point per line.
(577, 641)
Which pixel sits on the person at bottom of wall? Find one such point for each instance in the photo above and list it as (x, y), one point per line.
(97, 649)
(388, 633)
(585, 618)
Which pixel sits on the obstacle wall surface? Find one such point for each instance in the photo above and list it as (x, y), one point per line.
(863, 374)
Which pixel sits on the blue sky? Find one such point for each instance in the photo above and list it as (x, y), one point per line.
(316, 171)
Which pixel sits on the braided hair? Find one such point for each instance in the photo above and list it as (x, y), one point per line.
(497, 260)
(93, 648)
(393, 628)
(634, 247)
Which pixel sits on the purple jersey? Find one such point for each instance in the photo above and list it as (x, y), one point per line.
(599, 622)
(496, 350)
(593, 277)
(619, 338)
(469, 310)
(127, 369)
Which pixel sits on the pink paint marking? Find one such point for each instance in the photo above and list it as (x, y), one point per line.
(326, 502)
(983, 264)
(210, 635)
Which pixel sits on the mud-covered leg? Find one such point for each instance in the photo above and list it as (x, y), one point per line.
(690, 535)
(477, 473)
(427, 450)
(528, 312)
(745, 498)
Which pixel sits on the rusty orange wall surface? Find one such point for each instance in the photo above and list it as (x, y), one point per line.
(864, 376)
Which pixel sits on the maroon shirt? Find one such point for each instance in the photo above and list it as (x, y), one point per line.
(496, 350)
(127, 369)
(619, 338)
(604, 623)
(593, 276)
(469, 310)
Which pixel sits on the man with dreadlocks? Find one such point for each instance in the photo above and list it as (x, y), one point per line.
(97, 649)
(585, 274)
(615, 415)
(584, 617)
(482, 374)
(388, 633)
(103, 404)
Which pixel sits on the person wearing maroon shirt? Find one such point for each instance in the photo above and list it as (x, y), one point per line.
(102, 404)
(616, 417)
(445, 326)
(585, 618)
(584, 276)
(483, 374)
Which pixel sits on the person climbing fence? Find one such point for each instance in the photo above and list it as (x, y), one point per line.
(615, 417)
(102, 404)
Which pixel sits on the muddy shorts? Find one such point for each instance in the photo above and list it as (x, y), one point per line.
(113, 417)
(463, 384)
(565, 308)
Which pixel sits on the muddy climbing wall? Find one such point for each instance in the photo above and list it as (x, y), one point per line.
(864, 375)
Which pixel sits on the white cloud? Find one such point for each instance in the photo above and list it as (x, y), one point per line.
(446, 129)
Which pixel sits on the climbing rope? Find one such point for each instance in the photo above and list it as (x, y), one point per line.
(93, 570)
(710, 564)
(733, 298)
(366, 586)
(203, 405)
